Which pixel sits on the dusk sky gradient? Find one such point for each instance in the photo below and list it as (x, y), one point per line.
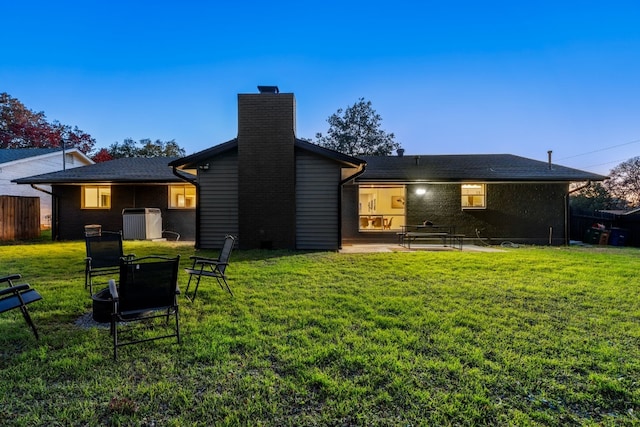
(455, 77)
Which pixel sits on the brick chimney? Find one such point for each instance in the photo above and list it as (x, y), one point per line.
(266, 169)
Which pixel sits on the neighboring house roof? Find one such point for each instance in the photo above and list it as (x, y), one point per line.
(192, 160)
(10, 155)
(124, 170)
(467, 167)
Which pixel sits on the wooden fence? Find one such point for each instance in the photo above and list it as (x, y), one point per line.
(19, 218)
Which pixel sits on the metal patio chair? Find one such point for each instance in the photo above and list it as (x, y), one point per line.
(211, 267)
(147, 290)
(104, 251)
(18, 296)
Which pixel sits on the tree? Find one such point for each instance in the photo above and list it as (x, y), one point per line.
(148, 148)
(356, 131)
(23, 128)
(624, 182)
(160, 148)
(592, 198)
(102, 156)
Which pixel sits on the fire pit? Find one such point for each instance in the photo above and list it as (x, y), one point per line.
(102, 306)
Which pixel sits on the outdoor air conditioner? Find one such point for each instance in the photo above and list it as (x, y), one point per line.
(141, 224)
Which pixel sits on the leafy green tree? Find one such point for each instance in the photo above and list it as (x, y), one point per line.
(145, 148)
(356, 131)
(127, 148)
(624, 182)
(21, 127)
(160, 148)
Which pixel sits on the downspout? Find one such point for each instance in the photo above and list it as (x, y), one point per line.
(343, 182)
(195, 182)
(566, 210)
(55, 202)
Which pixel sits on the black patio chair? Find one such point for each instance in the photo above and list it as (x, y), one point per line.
(211, 267)
(18, 296)
(104, 251)
(147, 290)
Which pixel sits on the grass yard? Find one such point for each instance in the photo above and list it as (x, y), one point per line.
(529, 336)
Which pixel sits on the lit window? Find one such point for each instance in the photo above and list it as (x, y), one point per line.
(381, 207)
(474, 196)
(182, 197)
(96, 197)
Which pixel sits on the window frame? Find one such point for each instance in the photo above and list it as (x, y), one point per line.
(99, 206)
(385, 212)
(482, 195)
(171, 205)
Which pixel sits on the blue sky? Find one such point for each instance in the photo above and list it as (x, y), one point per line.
(456, 77)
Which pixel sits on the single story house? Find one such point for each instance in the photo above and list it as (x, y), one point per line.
(23, 162)
(274, 190)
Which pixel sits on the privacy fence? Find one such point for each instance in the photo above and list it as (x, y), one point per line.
(19, 218)
(606, 229)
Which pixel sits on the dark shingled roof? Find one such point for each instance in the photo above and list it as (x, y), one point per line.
(467, 167)
(12, 154)
(192, 160)
(407, 168)
(125, 170)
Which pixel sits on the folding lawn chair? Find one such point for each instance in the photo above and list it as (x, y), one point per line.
(18, 296)
(211, 267)
(147, 290)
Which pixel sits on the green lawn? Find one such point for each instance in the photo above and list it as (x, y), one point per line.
(529, 336)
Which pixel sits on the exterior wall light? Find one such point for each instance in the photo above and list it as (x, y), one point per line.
(204, 167)
(421, 191)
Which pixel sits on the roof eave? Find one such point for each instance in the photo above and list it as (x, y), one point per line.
(193, 160)
(331, 154)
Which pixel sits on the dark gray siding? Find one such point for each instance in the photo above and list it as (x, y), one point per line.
(218, 200)
(317, 202)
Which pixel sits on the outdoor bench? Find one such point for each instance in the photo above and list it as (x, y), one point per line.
(446, 234)
(412, 236)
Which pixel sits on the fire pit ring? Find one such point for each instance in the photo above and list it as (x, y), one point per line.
(102, 306)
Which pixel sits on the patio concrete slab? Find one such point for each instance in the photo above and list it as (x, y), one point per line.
(391, 247)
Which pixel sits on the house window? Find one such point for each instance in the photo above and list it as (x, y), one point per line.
(96, 197)
(474, 196)
(182, 197)
(381, 207)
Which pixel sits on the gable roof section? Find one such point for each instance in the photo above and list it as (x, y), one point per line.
(191, 161)
(331, 154)
(124, 170)
(467, 167)
(10, 155)
(204, 155)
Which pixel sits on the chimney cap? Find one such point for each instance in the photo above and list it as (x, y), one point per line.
(268, 89)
